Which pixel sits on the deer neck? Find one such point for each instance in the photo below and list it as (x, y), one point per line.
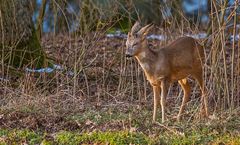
(146, 58)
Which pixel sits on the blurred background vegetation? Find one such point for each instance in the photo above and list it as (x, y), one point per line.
(66, 16)
(148, 11)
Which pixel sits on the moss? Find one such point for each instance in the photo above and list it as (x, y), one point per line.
(33, 53)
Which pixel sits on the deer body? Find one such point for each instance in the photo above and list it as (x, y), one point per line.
(175, 62)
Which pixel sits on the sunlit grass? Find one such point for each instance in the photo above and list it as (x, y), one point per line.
(116, 137)
(138, 130)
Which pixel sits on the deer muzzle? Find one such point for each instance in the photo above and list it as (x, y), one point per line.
(129, 53)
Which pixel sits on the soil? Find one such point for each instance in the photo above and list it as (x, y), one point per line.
(51, 124)
(20, 120)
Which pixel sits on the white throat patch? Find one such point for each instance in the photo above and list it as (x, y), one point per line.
(142, 54)
(145, 66)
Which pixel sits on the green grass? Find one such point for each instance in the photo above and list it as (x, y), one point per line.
(205, 136)
(219, 131)
(19, 136)
(72, 138)
(122, 137)
(200, 138)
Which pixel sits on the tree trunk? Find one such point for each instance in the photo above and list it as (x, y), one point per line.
(40, 19)
(19, 44)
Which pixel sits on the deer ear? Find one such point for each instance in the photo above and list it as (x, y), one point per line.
(144, 31)
(135, 28)
(129, 34)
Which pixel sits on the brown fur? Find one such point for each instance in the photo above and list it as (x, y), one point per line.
(175, 62)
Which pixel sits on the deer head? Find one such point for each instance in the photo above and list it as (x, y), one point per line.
(136, 40)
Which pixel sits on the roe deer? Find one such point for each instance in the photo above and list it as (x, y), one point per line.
(175, 62)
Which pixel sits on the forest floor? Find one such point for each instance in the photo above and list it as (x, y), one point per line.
(102, 104)
(115, 125)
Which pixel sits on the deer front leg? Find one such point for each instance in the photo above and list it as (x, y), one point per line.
(164, 88)
(156, 91)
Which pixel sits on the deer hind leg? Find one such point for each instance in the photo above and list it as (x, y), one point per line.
(204, 99)
(156, 91)
(186, 90)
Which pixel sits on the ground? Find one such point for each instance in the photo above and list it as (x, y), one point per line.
(101, 98)
(115, 126)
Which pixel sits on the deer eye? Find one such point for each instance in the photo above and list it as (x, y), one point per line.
(134, 44)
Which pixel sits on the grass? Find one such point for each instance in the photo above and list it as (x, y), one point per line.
(72, 138)
(115, 137)
(100, 116)
(122, 137)
(19, 136)
(95, 127)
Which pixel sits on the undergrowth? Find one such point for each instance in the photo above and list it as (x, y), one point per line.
(110, 126)
(117, 137)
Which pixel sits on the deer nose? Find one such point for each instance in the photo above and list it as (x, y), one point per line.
(128, 54)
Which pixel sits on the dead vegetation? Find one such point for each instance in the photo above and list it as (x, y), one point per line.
(106, 79)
